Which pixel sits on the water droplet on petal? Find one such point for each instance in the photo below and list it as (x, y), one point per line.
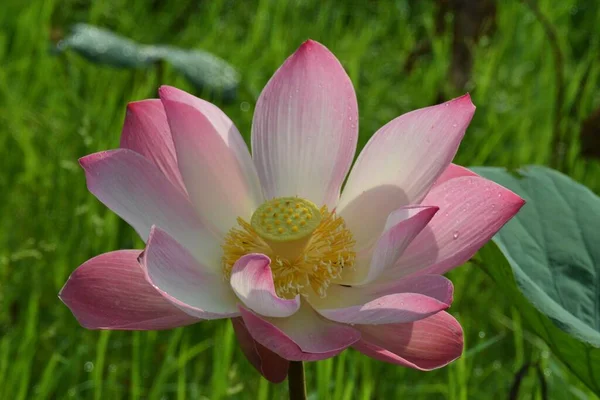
(455, 235)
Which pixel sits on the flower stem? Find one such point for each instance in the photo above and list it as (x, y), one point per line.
(297, 381)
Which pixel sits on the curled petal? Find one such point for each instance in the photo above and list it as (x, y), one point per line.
(252, 282)
(339, 296)
(388, 309)
(109, 291)
(453, 171)
(401, 227)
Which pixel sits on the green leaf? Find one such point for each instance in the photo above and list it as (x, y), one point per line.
(547, 259)
(104, 47)
(204, 70)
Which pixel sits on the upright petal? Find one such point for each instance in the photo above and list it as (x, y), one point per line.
(178, 276)
(252, 282)
(472, 210)
(401, 162)
(425, 345)
(305, 127)
(110, 292)
(138, 192)
(146, 131)
(269, 364)
(213, 159)
(305, 336)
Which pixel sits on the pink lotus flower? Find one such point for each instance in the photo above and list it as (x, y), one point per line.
(268, 241)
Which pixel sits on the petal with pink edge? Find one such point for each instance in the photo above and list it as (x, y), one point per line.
(435, 286)
(401, 227)
(453, 171)
(388, 309)
(305, 127)
(400, 163)
(213, 159)
(189, 285)
(252, 282)
(269, 364)
(305, 336)
(425, 345)
(138, 192)
(146, 131)
(110, 292)
(472, 210)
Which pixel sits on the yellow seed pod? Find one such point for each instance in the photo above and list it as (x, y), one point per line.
(268, 215)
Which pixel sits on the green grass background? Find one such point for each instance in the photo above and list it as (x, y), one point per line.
(55, 109)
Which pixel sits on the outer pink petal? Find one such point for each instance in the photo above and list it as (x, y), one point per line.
(146, 131)
(472, 210)
(269, 364)
(138, 192)
(305, 127)
(110, 292)
(338, 296)
(388, 309)
(252, 282)
(400, 163)
(178, 276)
(402, 226)
(426, 344)
(305, 336)
(453, 171)
(213, 159)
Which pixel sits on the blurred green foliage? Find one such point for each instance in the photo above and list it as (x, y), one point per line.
(56, 109)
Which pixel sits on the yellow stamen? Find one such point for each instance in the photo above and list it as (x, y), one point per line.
(305, 257)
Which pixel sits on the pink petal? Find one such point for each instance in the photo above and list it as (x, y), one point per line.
(425, 345)
(400, 163)
(338, 296)
(213, 159)
(189, 285)
(401, 227)
(146, 131)
(110, 292)
(388, 309)
(472, 210)
(305, 127)
(252, 282)
(453, 171)
(138, 192)
(304, 336)
(269, 364)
